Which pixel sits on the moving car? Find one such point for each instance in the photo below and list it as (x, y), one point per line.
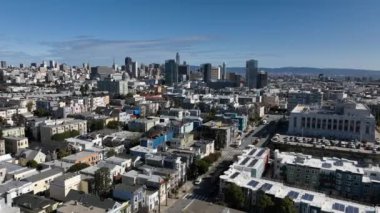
(198, 181)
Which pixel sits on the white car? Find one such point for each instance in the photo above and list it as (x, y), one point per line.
(198, 181)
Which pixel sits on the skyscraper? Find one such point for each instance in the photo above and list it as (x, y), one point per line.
(51, 64)
(224, 71)
(177, 59)
(262, 79)
(251, 72)
(135, 69)
(128, 65)
(171, 72)
(206, 70)
(3, 64)
(216, 73)
(183, 72)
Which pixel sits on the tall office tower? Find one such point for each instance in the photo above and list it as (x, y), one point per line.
(177, 59)
(224, 71)
(206, 70)
(171, 72)
(216, 73)
(251, 72)
(3, 64)
(44, 64)
(33, 64)
(21, 65)
(183, 72)
(51, 64)
(262, 79)
(135, 70)
(128, 65)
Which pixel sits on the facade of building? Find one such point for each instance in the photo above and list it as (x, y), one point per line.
(341, 177)
(206, 70)
(216, 73)
(101, 72)
(15, 144)
(41, 182)
(262, 79)
(251, 73)
(14, 132)
(171, 72)
(113, 87)
(61, 186)
(183, 72)
(2, 147)
(345, 120)
(305, 201)
(52, 127)
(295, 97)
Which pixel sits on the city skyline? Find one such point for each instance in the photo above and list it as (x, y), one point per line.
(278, 34)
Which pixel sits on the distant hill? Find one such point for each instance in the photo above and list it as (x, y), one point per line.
(309, 71)
(314, 71)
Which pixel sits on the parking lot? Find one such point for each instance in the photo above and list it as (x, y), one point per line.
(323, 143)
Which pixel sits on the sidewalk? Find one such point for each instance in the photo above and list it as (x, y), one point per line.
(182, 191)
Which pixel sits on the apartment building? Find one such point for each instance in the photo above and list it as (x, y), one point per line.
(41, 182)
(305, 201)
(15, 144)
(52, 127)
(341, 177)
(14, 132)
(61, 186)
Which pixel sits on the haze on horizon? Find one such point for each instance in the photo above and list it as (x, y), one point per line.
(278, 33)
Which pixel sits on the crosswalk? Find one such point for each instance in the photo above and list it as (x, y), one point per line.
(192, 196)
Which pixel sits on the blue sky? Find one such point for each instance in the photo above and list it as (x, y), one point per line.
(317, 33)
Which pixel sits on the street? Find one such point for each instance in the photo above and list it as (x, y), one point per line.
(207, 190)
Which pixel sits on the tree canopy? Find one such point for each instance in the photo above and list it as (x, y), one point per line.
(113, 125)
(41, 112)
(32, 164)
(234, 196)
(77, 167)
(64, 135)
(286, 206)
(95, 125)
(265, 203)
(102, 181)
(111, 153)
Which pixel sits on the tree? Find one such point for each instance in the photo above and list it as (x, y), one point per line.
(95, 125)
(202, 166)
(18, 119)
(234, 196)
(86, 88)
(113, 125)
(3, 122)
(32, 164)
(29, 106)
(286, 206)
(61, 153)
(129, 95)
(213, 157)
(102, 181)
(64, 135)
(264, 203)
(111, 153)
(41, 113)
(193, 171)
(77, 167)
